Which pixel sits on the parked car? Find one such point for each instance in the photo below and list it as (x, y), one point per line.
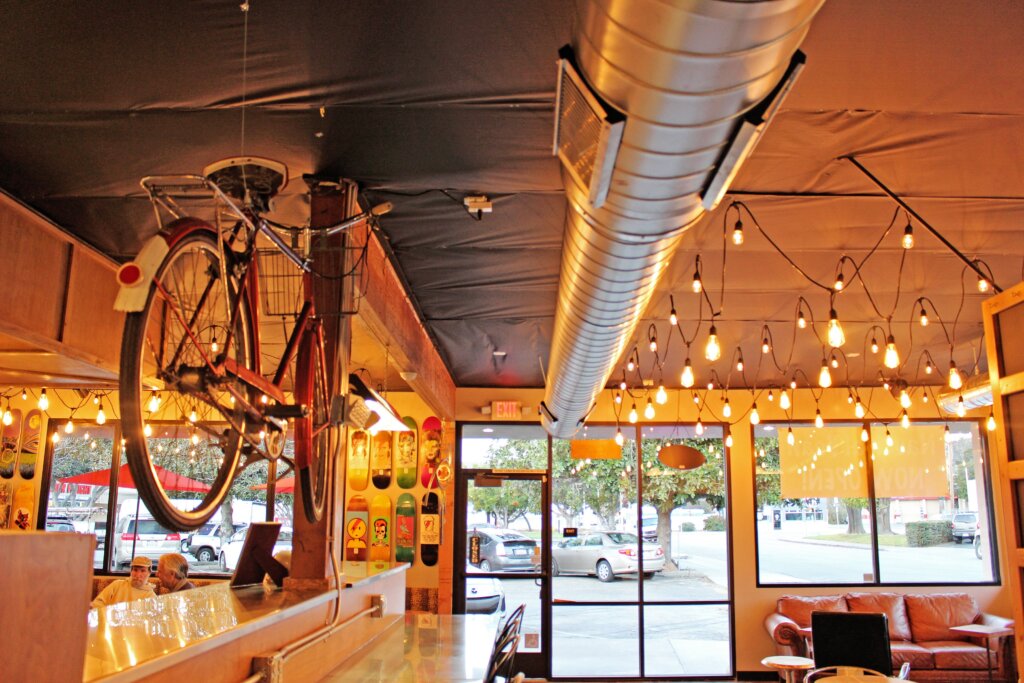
(606, 554)
(204, 544)
(233, 548)
(59, 524)
(484, 595)
(503, 550)
(147, 536)
(964, 526)
(100, 529)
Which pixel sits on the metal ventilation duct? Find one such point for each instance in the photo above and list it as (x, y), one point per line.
(684, 73)
(976, 391)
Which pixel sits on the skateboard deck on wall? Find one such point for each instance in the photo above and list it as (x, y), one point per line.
(405, 529)
(430, 452)
(357, 520)
(29, 451)
(380, 533)
(380, 459)
(430, 528)
(6, 494)
(358, 459)
(9, 438)
(405, 455)
(22, 507)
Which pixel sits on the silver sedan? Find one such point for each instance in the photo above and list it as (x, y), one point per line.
(606, 554)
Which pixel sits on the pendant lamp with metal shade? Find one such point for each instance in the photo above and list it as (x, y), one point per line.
(681, 457)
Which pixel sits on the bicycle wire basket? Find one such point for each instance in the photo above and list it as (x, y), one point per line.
(337, 266)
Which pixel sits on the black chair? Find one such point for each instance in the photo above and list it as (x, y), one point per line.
(857, 640)
(502, 658)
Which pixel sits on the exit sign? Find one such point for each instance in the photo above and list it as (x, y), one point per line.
(506, 410)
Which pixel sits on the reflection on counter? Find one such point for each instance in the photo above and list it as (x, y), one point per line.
(126, 634)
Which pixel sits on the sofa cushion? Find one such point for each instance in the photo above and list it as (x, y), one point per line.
(799, 608)
(956, 654)
(889, 604)
(931, 616)
(903, 651)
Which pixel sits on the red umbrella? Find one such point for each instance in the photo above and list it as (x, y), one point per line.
(171, 481)
(285, 485)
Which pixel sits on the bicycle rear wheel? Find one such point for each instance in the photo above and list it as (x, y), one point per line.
(183, 453)
(316, 439)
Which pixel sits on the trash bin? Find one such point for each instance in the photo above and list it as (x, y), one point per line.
(777, 519)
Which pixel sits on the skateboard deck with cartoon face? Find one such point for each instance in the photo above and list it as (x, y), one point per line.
(430, 452)
(357, 521)
(358, 459)
(380, 533)
(10, 436)
(29, 451)
(380, 459)
(405, 529)
(405, 454)
(430, 528)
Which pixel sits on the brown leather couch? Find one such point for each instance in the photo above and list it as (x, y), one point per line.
(918, 631)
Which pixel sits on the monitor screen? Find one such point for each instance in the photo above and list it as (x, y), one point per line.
(851, 639)
(257, 556)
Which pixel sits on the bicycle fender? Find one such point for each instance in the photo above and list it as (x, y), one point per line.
(135, 275)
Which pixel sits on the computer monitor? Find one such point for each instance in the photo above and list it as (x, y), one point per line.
(851, 639)
(257, 556)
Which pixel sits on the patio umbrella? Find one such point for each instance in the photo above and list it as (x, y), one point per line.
(171, 481)
(285, 485)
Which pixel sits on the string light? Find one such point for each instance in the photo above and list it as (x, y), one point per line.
(765, 346)
(154, 402)
(838, 284)
(946, 434)
(858, 409)
(618, 398)
(836, 336)
(622, 385)
(633, 417)
(653, 342)
(728, 440)
(801, 321)
(818, 421)
(904, 399)
(193, 417)
(983, 285)
(892, 356)
(790, 439)
(195, 438)
(834, 362)
(712, 350)
(905, 420)
(864, 436)
(687, 378)
(619, 439)
(888, 438)
(990, 423)
(824, 377)
(43, 402)
(661, 396)
(955, 380)
(69, 427)
(771, 396)
(7, 419)
(699, 427)
(214, 346)
(737, 233)
(147, 430)
(673, 319)
(928, 367)
(924, 317)
(24, 394)
(739, 361)
(697, 284)
(755, 418)
(874, 345)
(727, 409)
(55, 438)
(649, 410)
(961, 409)
(101, 417)
(630, 366)
(908, 237)
(784, 402)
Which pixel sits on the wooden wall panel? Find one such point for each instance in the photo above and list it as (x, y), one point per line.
(92, 326)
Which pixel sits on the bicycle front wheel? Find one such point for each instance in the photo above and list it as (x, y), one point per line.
(182, 425)
(316, 439)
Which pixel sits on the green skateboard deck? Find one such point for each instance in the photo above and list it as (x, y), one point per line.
(405, 455)
(357, 520)
(380, 533)
(9, 438)
(380, 459)
(430, 452)
(430, 528)
(358, 459)
(405, 529)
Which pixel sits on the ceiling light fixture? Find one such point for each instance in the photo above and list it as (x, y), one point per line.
(955, 379)
(737, 233)
(892, 356)
(908, 237)
(687, 378)
(836, 337)
(387, 419)
(712, 350)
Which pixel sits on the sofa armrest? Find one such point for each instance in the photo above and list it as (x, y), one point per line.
(783, 630)
(993, 620)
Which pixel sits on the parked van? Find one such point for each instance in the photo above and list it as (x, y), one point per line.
(147, 537)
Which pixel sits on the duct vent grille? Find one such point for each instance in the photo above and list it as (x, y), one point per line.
(587, 132)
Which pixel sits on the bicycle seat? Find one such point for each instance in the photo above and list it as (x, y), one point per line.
(255, 178)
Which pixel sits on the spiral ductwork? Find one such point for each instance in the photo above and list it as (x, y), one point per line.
(683, 72)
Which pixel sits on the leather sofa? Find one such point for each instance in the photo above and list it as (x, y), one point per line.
(918, 632)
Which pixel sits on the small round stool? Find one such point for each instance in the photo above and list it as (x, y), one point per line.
(788, 665)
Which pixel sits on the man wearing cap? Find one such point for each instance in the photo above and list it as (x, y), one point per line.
(172, 570)
(135, 587)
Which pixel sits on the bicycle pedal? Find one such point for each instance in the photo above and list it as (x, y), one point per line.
(286, 411)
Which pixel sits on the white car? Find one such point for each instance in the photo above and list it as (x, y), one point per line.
(233, 548)
(606, 554)
(205, 543)
(484, 595)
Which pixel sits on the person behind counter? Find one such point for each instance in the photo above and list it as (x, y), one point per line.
(172, 570)
(135, 587)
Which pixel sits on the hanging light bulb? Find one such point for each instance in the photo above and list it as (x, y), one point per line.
(737, 233)
(673, 319)
(728, 440)
(214, 346)
(727, 409)
(928, 367)
(44, 402)
(983, 285)
(195, 438)
(649, 410)
(905, 420)
(955, 380)
(712, 350)
(924, 397)
(849, 396)
(874, 345)
(630, 366)
(790, 439)
(836, 337)
(908, 237)
(784, 402)
(924, 317)
(765, 346)
(858, 409)
(838, 284)
(619, 439)
(622, 385)
(696, 399)
(687, 377)
(154, 402)
(864, 436)
(69, 427)
(739, 361)
(7, 418)
(699, 427)
(961, 409)
(101, 417)
(193, 417)
(801, 322)
(892, 356)
(771, 396)
(652, 344)
(147, 430)
(633, 417)
(904, 399)
(990, 423)
(888, 438)
(711, 384)
(792, 382)
(755, 418)
(661, 396)
(946, 434)
(819, 422)
(697, 284)
(834, 362)
(55, 438)
(824, 377)
(617, 397)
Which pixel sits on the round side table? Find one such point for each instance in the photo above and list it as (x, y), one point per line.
(788, 665)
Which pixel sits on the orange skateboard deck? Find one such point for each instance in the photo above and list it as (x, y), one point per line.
(9, 438)
(358, 459)
(380, 533)
(357, 519)
(380, 459)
